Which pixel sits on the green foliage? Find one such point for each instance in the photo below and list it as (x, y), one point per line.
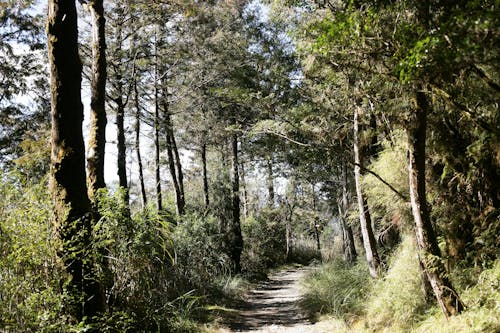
(483, 311)
(336, 288)
(390, 164)
(264, 242)
(199, 252)
(30, 291)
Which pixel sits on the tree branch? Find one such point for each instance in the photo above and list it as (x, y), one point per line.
(399, 194)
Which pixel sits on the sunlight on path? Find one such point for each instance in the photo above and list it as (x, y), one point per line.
(273, 306)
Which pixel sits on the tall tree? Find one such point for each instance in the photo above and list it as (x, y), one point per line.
(430, 254)
(98, 120)
(73, 220)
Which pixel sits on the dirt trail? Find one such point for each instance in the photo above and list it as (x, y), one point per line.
(272, 306)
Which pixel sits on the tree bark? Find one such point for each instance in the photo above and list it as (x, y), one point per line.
(429, 251)
(364, 215)
(137, 146)
(347, 235)
(205, 175)
(98, 121)
(270, 181)
(72, 208)
(178, 166)
(315, 226)
(174, 163)
(235, 237)
(121, 146)
(156, 133)
(245, 191)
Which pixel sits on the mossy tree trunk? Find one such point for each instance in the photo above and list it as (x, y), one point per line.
(429, 251)
(73, 219)
(369, 241)
(98, 121)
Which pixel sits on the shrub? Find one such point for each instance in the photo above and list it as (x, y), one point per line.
(30, 294)
(264, 242)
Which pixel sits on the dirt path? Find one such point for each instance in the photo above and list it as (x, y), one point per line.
(272, 306)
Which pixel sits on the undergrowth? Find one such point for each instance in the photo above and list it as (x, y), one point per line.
(337, 288)
(395, 302)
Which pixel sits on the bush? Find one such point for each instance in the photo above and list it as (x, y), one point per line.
(30, 293)
(264, 239)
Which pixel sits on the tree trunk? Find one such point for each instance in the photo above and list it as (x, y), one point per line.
(178, 166)
(137, 146)
(245, 192)
(98, 121)
(270, 182)
(156, 133)
(364, 215)
(347, 235)
(236, 239)
(205, 175)
(429, 251)
(173, 174)
(121, 146)
(316, 226)
(72, 209)
(174, 163)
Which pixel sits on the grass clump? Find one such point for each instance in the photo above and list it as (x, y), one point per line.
(397, 300)
(337, 288)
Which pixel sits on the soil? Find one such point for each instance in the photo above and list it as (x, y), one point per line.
(273, 305)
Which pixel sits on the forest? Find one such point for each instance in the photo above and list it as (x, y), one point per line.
(159, 159)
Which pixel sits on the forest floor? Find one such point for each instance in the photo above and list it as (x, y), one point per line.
(272, 306)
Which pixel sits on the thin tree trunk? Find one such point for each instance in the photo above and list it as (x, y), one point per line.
(236, 239)
(156, 132)
(173, 174)
(121, 146)
(427, 243)
(174, 163)
(270, 181)
(72, 208)
(364, 215)
(137, 146)
(98, 121)
(348, 238)
(178, 166)
(205, 175)
(316, 226)
(245, 192)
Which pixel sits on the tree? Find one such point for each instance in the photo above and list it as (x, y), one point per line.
(98, 120)
(430, 253)
(73, 221)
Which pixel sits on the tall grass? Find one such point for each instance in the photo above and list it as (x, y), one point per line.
(397, 300)
(336, 288)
